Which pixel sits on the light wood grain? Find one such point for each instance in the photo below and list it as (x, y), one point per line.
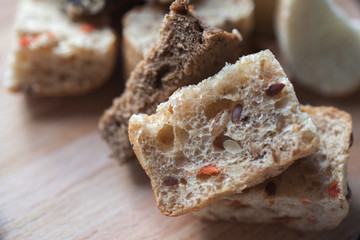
(57, 182)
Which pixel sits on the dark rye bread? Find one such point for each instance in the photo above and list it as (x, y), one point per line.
(141, 25)
(223, 135)
(312, 194)
(188, 51)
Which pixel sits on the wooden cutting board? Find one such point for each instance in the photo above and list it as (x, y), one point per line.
(57, 181)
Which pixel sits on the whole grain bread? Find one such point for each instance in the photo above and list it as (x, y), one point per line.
(229, 132)
(55, 56)
(141, 25)
(321, 45)
(188, 51)
(311, 194)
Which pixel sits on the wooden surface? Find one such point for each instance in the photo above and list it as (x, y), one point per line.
(57, 181)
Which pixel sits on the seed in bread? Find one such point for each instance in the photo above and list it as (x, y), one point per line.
(311, 194)
(54, 56)
(229, 132)
(141, 25)
(188, 51)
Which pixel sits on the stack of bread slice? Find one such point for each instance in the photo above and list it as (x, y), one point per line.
(229, 132)
(217, 134)
(212, 142)
(238, 146)
(187, 52)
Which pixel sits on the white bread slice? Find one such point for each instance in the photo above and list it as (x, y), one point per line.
(229, 132)
(303, 197)
(321, 45)
(141, 25)
(54, 56)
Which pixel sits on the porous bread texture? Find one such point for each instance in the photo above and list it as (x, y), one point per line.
(141, 25)
(303, 197)
(321, 45)
(54, 56)
(188, 51)
(223, 135)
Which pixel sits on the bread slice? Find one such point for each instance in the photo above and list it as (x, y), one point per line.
(85, 8)
(76, 8)
(321, 45)
(140, 31)
(188, 51)
(54, 56)
(311, 194)
(160, 1)
(229, 132)
(141, 25)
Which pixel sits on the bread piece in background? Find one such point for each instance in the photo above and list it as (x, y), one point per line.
(311, 194)
(227, 14)
(187, 52)
(321, 45)
(86, 8)
(162, 1)
(141, 25)
(76, 8)
(54, 56)
(223, 135)
(141, 29)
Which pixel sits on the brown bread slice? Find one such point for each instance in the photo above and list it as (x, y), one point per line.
(311, 194)
(188, 51)
(229, 132)
(141, 25)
